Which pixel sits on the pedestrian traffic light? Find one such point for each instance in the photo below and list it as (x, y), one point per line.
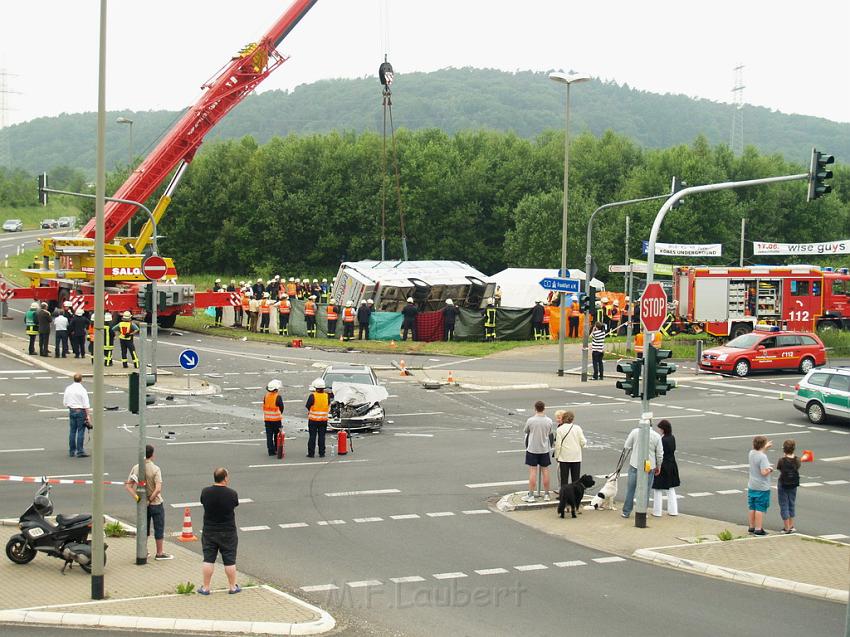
(584, 302)
(658, 372)
(150, 379)
(42, 184)
(676, 186)
(631, 385)
(818, 174)
(146, 299)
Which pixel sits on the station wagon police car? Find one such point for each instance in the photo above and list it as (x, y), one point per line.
(824, 393)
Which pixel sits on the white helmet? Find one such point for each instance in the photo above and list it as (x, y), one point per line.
(33, 305)
(348, 304)
(449, 302)
(491, 301)
(259, 280)
(79, 312)
(242, 284)
(107, 317)
(315, 280)
(298, 280)
(604, 299)
(410, 299)
(218, 280)
(362, 301)
(370, 302)
(274, 385)
(291, 280)
(66, 304)
(127, 316)
(324, 280)
(265, 295)
(319, 383)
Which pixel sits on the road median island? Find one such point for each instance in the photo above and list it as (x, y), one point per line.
(145, 598)
(794, 563)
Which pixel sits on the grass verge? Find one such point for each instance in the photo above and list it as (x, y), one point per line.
(16, 263)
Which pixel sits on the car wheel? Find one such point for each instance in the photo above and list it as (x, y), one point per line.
(742, 368)
(806, 365)
(815, 412)
(739, 329)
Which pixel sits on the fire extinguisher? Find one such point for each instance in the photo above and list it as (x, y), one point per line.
(281, 441)
(342, 443)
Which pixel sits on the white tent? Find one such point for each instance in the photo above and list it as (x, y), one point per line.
(521, 286)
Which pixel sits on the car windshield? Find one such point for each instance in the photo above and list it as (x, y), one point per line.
(358, 377)
(745, 341)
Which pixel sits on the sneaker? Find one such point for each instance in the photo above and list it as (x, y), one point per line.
(546, 498)
(624, 515)
(83, 455)
(752, 529)
(163, 556)
(791, 530)
(203, 591)
(233, 591)
(528, 498)
(759, 532)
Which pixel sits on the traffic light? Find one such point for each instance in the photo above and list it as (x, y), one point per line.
(631, 385)
(150, 379)
(42, 184)
(658, 372)
(147, 298)
(584, 302)
(675, 187)
(818, 174)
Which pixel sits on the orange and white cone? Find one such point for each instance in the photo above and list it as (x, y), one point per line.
(808, 456)
(451, 377)
(187, 535)
(402, 367)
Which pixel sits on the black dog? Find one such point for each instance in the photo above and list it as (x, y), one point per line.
(572, 493)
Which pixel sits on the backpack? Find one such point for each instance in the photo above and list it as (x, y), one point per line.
(789, 476)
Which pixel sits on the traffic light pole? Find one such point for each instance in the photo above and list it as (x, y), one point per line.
(585, 340)
(642, 493)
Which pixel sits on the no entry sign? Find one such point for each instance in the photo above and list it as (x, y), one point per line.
(154, 268)
(653, 307)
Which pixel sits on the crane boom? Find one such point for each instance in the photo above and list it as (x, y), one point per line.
(236, 80)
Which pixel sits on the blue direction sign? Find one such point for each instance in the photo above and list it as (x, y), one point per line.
(189, 359)
(560, 285)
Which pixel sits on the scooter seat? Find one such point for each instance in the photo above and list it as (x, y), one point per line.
(71, 520)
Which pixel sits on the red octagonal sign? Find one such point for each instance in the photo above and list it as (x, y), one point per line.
(653, 307)
(154, 268)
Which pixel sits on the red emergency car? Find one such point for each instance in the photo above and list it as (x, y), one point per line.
(767, 347)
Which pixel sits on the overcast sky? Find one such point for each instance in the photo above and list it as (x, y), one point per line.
(159, 52)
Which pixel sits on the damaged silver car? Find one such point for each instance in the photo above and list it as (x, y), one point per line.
(357, 398)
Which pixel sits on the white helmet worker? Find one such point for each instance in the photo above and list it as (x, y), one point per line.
(319, 383)
(127, 316)
(449, 302)
(274, 385)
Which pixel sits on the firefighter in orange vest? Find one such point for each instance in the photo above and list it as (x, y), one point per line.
(333, 317)
(273, 414)
(545, 334)
(284, 308)
(575, 315)
(246, 306)
(656, 343)
(348, 315)
(90, 331)
(265, 313)
(318, 408)
(614, 316)
(310, 308)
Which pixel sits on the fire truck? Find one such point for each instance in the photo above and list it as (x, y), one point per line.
(65, 268)
(729, 301)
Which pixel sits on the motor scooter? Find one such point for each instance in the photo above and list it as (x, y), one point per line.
(67, 539)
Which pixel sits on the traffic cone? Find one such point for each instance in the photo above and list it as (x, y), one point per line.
(451, 377)
(187, 535)
(403, 369)
(808, 456)
(392, 344)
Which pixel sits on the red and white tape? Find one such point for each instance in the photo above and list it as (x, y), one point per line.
(40, 479)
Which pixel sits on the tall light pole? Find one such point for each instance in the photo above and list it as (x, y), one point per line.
(125, 120)
(568, 80)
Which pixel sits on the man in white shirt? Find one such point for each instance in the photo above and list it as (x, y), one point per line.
(76, 399)
(656, 456)
(60, 324)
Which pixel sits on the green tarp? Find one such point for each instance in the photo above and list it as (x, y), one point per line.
(385, 326)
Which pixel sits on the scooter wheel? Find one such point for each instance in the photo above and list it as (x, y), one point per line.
(19, 551)
(87, 567)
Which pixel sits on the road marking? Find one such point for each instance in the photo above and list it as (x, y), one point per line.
(780, 433)
(811, 484)
(418, 413)
(293, 525)
(818, 428)
(362, 520)
(791, 424)
(502, 450)
(717, 413)
(752, 418)
(21, 371)
(304, 464)
(338, 494)
(330, 522)
(261, 527)
(834, 536)
(531, 567)
(440, 514)
(414, 435)
(484, 485)
(570, 563)
(405, 516)
(456, 575)
(476, 511)
(216, 442)
(407, 580)
(839, 431)
(731, 466)
(183, 505)
(319, 587)
(700, 494)
(677, 417)
(729, 491)
(492, 571)
(608, 560)
(16, 450)
(834, 482)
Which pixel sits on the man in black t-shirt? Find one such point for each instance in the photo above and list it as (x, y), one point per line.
(219, 535)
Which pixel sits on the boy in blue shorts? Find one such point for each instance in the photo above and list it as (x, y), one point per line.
(758, 487)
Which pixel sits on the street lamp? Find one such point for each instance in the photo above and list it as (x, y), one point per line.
(568, 80)
(125, 120)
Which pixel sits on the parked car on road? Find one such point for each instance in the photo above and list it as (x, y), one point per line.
(65, 222)
(357, 397)
(824, 393)
(49, 223)
(766, 348)
(13, 225)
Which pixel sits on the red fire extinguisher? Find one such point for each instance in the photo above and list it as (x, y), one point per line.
(281, 440)
(342, 443)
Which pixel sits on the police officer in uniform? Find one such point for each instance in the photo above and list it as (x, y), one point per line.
(318, 408)
(126, 330)
(273, 414)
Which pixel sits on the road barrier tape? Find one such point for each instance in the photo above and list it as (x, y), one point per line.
(41, 479)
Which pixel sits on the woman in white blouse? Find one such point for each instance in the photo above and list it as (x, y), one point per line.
(569, 441)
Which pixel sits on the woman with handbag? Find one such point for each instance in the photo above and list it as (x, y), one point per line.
(569, 441)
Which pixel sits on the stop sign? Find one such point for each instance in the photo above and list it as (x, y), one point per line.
(154, 268)
(653, 307)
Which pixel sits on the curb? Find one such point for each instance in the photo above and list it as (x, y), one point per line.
(744, 577)
(36, 616)
(51, 368)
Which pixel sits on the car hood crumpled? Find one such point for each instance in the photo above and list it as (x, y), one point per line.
(357, 394)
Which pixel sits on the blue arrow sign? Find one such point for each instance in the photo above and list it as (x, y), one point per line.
(189, 359)
(560, 285)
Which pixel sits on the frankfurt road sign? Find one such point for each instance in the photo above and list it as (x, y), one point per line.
(189, 359)
(559, 285)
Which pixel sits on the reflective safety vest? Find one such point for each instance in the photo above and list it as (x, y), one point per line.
(284, 307)
(125, 330)
(575, 310)
(490, 317)
(31, 322)
(265, 307)
(91, 332)
(614, 313)
(547, 311)
(309, 308)
(291, 289)
(245, 302)
(271, 412)
(656, 340)
(332, 313)
(319, 410)
(348, 315)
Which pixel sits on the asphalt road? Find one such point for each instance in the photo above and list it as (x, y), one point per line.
(396, 538)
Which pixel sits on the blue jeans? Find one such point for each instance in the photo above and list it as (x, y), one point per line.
(787, 498)
(628, 505)
(77, 433)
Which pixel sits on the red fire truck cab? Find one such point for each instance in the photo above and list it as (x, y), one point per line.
(728, 301)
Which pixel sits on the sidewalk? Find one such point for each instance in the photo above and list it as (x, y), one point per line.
(145, 598)
(795, 563)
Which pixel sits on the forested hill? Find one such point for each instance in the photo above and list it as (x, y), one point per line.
(451, 100)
